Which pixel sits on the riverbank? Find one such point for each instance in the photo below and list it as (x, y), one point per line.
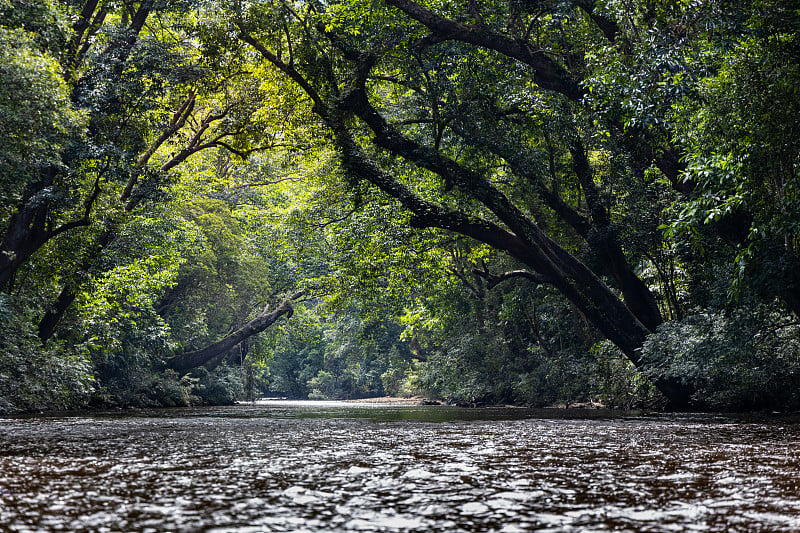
(419, 400)
(397, 400)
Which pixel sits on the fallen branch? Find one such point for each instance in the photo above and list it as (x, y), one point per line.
(195, 358)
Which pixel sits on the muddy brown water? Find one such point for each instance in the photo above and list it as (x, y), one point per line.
(312, 467)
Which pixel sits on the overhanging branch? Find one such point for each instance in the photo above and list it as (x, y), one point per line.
(548, 74)
(265, 319)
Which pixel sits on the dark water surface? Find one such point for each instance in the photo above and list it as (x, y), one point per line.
(342, 467)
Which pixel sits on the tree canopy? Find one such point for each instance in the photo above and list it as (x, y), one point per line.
(530, 202)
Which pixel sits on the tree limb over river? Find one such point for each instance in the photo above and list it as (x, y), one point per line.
(196, 358)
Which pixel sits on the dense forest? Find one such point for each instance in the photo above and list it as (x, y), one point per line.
(522, 201)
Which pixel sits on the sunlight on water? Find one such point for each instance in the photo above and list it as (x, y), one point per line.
(313, 466)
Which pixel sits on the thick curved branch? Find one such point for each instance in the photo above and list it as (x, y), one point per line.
(548, 74)
(425, 214)
(597, 231)
(355, 101)
(608, 26)
(573, 279)
(519, 162)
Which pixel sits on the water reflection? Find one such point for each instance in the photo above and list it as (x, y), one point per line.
(344, 467)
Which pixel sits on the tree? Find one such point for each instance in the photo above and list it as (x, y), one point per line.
(741, 137)
(220, 348)
(151, 104)
(633, 163)
(38, 122)
(105, 110)
(399, 109)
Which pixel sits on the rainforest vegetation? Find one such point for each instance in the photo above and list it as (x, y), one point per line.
(482, 201)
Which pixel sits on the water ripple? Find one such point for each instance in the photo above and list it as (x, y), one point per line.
(302, 468)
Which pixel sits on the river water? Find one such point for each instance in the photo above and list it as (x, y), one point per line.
(310, 466)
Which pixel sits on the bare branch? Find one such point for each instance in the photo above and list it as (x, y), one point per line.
(469, 285)
(264, 183)
(334, 220)
(178, 121)
(287, 69)
(493, 280)
(87, 209)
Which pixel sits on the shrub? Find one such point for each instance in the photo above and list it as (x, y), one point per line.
(746, 359)
(35, 377)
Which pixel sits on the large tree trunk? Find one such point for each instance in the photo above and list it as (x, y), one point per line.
(193, 359)
(597, 230)
(53, 315)
(527, 243)
(26, 233)
(29, 228)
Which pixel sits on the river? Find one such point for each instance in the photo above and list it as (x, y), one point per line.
(327, 466)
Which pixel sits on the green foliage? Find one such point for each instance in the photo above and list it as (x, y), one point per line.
(220, 386)
(741, 140)
(37, 378)
(324, 386)
(328, 357)
(402, 380)
(292, 354)
(617, 383)
(178, 180)
(742, 360)
(37, 118)
(514, 344)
